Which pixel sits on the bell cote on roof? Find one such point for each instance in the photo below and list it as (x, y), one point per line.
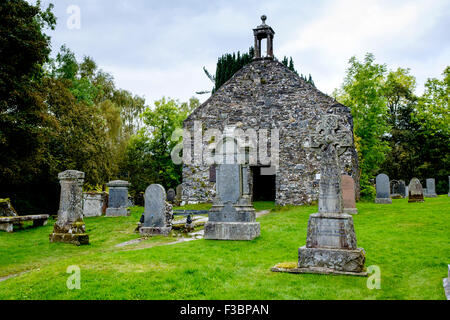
(261, 33)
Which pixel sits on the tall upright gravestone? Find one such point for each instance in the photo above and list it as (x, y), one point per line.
(158, 214)
(70, 227)
(415, 191)
(331, 245)
(118, 199)
(383, 190)
(349, 194)
(431, 188)
(232, 216)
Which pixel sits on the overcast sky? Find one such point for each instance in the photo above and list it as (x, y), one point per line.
(158, 48)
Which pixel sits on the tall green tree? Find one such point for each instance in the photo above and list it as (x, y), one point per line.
(149, 152)
(363, 91)
(24, 49)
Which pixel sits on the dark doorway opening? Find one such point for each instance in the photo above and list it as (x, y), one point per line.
(264, 184)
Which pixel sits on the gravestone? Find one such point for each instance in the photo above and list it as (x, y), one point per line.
(348, 194)
(179, 195)
(171, 195)
(93, 204)
(447, 284)
(70, 227)
(383, 190)
(406, 191)
(232, 216)
(449, 186)
(158, 214)
(395, 189)
(118, 199)
(415, 191)
(431, 188)
(331, 245)
(6, 208)
(402, 189)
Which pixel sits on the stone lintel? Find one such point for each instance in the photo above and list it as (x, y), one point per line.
(71, 175)
(236, 231)
(118, 184)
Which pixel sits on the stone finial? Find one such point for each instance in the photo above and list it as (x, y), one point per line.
(262, 32)
(263, 19)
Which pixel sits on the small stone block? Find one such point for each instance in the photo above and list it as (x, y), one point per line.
(76, 239)
(244, 231)
(318, 260)
(351, 211)
(383, 201)
(117, 212)
(155, 231)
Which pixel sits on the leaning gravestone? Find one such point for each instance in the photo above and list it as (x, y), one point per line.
(383, 190)
(348, 194)
(69, 227)
(415, 191)
(118, 199)
(171, 195)
(232, 216)
(331, 245)
(158, 214)
(431, 188)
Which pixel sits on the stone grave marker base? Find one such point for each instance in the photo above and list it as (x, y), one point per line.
(350, 210)
(76, 239)
(245, 231)
(383, 201)
(317, 260)
(117, 212)
(416, 199)
(318, 270)
(155, 231)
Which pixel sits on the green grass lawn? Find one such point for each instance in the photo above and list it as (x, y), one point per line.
(409, 242)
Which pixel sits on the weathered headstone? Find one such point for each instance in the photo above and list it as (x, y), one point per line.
(70, 227)
(6, 208)
(402, 189)
(331, 245)
(348, 194)
(415, 191)
(171, 195)
(396, 189)
(383, 190)
(118, 199)
(431, 188)
(449, 186)
(179, 195)
(406, 191)
(447, 284)
(93, 204)
(158, 214)
(232, 216)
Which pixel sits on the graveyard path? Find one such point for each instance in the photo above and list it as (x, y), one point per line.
(191, 237)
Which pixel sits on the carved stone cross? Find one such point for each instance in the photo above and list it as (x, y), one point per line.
(332, 139)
